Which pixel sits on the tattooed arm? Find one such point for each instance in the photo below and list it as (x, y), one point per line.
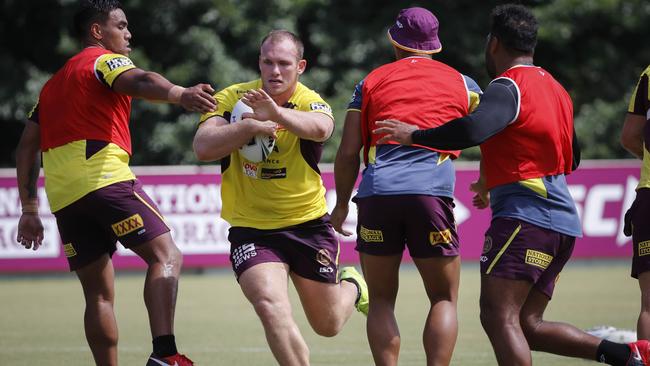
(28, 166)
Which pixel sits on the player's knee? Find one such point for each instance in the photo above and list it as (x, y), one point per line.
(327, 327)
(171, 258)
(272, 314)
(492, 316)
(530, 324)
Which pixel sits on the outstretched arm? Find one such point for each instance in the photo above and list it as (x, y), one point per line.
(150, 85)
(499, 107)
(28, 166)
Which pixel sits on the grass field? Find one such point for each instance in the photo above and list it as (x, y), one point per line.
(41, 319)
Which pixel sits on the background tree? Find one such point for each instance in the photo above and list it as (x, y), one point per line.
(595, 48)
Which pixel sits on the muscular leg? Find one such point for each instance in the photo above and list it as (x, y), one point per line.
(501, 302)
(643, 324)
(265, 286)
(441, 278)
(558, 338)
(99, 318)
(327, 305)
(161, 284)
(382, 276)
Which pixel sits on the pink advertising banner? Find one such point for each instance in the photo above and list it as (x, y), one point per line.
(189, 199)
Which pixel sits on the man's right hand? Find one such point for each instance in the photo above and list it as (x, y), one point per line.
(30, 231)
(198, 98)
(337, 218)
(268, 128)
(481, 199)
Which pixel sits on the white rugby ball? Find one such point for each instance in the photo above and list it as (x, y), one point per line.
(260, 146)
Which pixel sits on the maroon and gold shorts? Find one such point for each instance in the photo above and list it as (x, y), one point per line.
(424, 224)
(311, 249)
(91, 226)
(518, 250)
(640, 221)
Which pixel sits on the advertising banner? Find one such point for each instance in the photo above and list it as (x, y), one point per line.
(189, 199)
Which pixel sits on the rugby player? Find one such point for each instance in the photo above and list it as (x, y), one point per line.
(524, 126)
(405, 198)
(635, 138)
(80, 124)
(277, 209)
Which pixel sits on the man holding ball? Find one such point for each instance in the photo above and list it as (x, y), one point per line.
(277, 209)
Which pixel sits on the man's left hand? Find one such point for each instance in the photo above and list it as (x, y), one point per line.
(395, 131)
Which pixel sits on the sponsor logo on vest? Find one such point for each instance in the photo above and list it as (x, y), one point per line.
(538, 259)
(371, 236)
(250, 169)
(487, 244)
(318, 106)
(273, 173)
(323, 257)
(69, 251)
(440, 237)
(128, 225)
(243, 253)
(118, 62)
(644, 248)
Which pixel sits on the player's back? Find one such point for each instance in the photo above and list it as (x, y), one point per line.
(415, 90)
(538, 142)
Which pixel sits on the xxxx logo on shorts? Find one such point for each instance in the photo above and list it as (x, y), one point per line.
(371, 236)
(128, 225)
(323, 257)
(69, 251)
(440, 237)
(538, 259)
(644, 248)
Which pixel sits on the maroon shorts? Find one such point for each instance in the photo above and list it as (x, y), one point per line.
(311, 249)
(641, 232)
(424, 224)
(518, 250)
(91, 226)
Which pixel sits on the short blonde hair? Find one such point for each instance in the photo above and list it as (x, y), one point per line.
(282, 34)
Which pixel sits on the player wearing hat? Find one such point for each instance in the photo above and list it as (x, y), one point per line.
(405, 197)
(525, 128)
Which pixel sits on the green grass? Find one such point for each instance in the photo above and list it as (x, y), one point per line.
(41, 319)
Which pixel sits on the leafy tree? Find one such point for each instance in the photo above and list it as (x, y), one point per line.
(594, 48)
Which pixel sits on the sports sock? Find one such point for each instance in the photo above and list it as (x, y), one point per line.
(615, 354)
(165, 345)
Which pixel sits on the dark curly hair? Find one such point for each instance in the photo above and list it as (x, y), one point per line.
(515, 26)
(91, 11)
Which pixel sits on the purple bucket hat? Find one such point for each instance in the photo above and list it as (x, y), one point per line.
(415, 30)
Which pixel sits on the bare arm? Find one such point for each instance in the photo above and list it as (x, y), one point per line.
(346, 168)
(216, 138)
(481, 199)
(28, 166)
(313, 126)
(632, 135)
(152, 86)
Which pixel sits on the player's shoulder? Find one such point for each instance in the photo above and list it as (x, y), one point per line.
(228, 96)
(305, 94)
(306, 99)
(238, 90)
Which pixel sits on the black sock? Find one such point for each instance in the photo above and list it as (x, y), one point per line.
(615, 354)
(165, 345)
